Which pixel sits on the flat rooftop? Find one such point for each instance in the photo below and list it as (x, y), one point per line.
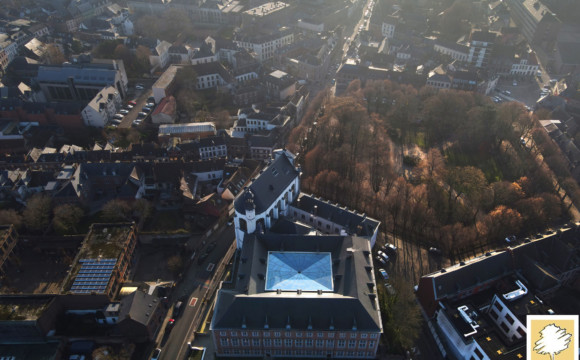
(105, 241)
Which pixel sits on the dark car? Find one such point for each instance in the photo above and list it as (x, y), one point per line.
(434, 251)
(210, 247)
(202, 258)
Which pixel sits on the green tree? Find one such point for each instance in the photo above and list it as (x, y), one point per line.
(11, 216)
(37, 213)
(401, 315)
(175, 264)
(67, 217)
(116, 211)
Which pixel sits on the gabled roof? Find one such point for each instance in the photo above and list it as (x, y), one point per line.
(268, 186)
(354, 222)
(138, 306)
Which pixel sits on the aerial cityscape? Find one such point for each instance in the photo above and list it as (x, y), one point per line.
(296, 179)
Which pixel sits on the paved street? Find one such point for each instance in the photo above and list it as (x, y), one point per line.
(194, 286)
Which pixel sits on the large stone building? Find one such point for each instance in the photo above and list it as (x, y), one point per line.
(303, 282)
(299, 296)
(477, 309)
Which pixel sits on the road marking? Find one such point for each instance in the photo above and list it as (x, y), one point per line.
(193, 302)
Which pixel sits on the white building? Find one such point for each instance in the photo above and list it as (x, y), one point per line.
(455, 51)
(159, 59)
(102, 107)
(264, 45)
(251, 121)
(212, 147)
(276, 191)
(388, 27)
(527, 66)
(212, 75)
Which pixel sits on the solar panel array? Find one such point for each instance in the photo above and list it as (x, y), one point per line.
(93, 276)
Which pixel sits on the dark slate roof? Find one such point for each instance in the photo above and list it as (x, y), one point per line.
(348, 305)
(138, 306)
(283, 226)
(268, 186)
(196, 167)
(212, 141)
(356, 223)
(261, 141)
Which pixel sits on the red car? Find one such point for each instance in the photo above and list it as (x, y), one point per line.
(133, 102)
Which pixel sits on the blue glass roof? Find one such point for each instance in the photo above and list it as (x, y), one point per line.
(291, 271)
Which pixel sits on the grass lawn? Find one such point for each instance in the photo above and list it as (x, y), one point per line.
(485, 162)
(417, 138)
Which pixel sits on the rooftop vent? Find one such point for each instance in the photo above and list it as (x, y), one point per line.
(299, 291)
(516, 294)
(461, 263)
(372, 296)
(443, 270)
(319, 292)
(278, 291)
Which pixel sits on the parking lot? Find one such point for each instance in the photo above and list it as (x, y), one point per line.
(526, 91)
(139, 97)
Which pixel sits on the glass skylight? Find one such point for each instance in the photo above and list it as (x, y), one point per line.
(291, 271)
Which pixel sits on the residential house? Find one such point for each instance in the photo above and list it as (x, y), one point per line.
(279, 85)
(480, 47)
(263, 42)
(206, 53)
(526, 66)
(159, 58)
(212, 75)
(179, 54)
(212, 147)
(261, 146)
(140, 316)
(165, 84)
(253, 120)
(100, 111)
(166, 111)
(454, 50)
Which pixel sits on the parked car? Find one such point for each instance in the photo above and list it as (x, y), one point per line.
(510, 239)
(150, 105)
(139, 86)
(133, 102)
(129, 106)
(137, 122)
(383, 255)
(381, 261)
(515, 83)
(115, 121)
(434, 251)
(390, 249)
(384, 274)
(123, 111)
(143, 114)
(151, 99)
(145, 110)
(177, 309)
(156, 354)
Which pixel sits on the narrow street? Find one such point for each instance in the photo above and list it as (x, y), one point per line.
(195, 291)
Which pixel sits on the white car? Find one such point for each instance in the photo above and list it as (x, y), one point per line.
(123, 111)
(383, 255)
(139, 87)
